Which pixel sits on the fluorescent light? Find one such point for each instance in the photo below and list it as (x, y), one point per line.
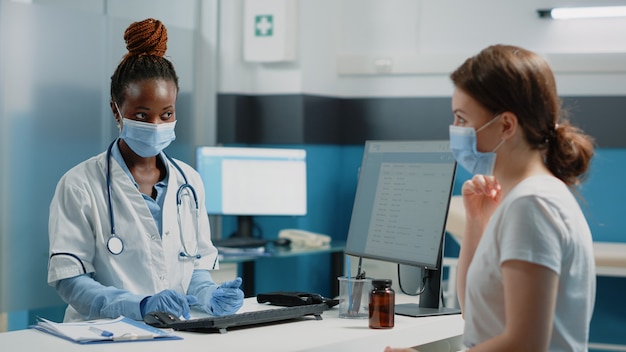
(583, 12)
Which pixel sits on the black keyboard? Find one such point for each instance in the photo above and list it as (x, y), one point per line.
(166, 320)
(240, 242)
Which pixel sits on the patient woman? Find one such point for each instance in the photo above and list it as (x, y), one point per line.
(526, 275)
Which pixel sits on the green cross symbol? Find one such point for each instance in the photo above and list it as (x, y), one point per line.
(263, 25)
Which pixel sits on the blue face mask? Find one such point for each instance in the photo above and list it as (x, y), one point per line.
(147, 139)
(463, 147)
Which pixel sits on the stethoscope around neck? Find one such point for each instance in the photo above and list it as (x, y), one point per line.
(114, 243)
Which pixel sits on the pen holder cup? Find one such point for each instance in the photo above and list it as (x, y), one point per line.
(354, 297)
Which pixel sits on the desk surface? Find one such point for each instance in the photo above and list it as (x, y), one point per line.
(329, 334)
(278, 252)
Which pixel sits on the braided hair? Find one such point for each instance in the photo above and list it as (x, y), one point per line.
(146, 42)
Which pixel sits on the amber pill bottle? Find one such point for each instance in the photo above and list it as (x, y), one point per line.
(382, 304)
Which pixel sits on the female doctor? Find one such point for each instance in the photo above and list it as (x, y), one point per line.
(128, 228)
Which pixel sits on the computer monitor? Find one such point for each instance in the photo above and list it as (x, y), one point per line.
(400, 211)
(248, 181)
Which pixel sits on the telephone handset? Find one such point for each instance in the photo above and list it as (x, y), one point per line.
(302, 238)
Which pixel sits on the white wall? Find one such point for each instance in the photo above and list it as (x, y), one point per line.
(196, 15)
(179, 13)
(237, 76)
(425, 40)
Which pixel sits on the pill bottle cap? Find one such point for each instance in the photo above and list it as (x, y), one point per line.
(381, 283)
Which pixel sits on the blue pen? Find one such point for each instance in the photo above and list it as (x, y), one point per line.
(100, 332)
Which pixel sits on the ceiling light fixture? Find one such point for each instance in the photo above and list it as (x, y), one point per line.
(562, 13)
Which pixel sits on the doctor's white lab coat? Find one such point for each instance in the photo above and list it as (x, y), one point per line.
(79, 228)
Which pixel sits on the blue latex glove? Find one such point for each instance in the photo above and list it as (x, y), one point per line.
(168, 301)
(227, 298)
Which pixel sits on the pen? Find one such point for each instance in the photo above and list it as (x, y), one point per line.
(131, 337)
(100, 332)
(355, 304)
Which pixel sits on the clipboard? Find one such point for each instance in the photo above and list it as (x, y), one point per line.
(121, 329)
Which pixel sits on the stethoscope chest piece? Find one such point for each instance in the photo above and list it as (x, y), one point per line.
(115, 245)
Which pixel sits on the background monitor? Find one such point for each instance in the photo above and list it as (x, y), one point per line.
(247, 181)
(400, 211)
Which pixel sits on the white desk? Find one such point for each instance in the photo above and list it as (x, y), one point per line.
(329, 334)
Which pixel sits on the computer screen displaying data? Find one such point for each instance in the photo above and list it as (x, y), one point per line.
(253, 181)
(401, 202)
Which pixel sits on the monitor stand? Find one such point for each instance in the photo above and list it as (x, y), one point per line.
(243, 237)
(245, 227)
(429, 299)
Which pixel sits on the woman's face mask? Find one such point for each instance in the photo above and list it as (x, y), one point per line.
(463, 145)
(147, 139)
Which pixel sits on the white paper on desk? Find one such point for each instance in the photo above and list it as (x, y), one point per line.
(122, 329)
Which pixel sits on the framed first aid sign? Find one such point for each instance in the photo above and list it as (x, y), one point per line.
(269, 33)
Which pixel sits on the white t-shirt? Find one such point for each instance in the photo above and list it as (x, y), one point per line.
(540, 222)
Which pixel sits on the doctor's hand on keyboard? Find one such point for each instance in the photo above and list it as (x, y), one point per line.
(169, 301)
